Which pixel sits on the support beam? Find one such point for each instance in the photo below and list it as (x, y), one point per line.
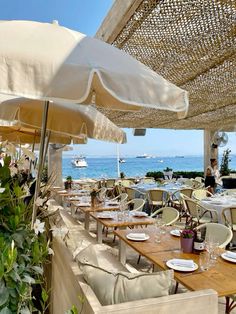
(209, 152)
(116, 19)
(55, 163)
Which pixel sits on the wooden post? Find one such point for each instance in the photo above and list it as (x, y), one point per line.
(55, 163)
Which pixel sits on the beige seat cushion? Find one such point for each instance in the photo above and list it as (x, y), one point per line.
(100, 255)
(112, 288)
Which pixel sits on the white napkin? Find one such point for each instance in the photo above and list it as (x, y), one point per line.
(230, 254)
(104, 215)
(84, 204)
(139, 214)
(182, 262)
(139, 236)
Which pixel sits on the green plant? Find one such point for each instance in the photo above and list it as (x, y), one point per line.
(224, 166)
(122, 175)
(69, 179)
(167, 169)
(24, 251)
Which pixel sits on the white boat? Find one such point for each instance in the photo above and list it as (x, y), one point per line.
(121, 161)
(143, 156)
(79, 162)
(160, 160)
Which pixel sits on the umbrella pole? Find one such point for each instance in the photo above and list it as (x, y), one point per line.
(118, 160)
(46, 146)
(40, 163)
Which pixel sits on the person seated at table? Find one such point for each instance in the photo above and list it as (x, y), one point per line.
(212, 176)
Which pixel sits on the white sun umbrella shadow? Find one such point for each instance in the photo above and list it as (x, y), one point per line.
(49, 62)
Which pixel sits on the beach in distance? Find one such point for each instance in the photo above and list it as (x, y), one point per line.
(106, 167)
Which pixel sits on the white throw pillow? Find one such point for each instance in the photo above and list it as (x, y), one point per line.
(112, 288)
(100, 255)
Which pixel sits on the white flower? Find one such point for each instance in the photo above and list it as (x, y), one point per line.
(2, 190)
(39, 226)
(50, 251)
(13, 171)
(40, 201)
(59, 232)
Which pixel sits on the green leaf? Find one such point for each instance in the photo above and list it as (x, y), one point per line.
(28, 279)
(38, 270)
(4, 294)
(44, 295)
(5, 310)
(19, 239)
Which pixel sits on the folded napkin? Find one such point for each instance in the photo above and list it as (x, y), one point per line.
(230, 254)
(182, 262)
(84, 204)
(139, 236)
(139, 214)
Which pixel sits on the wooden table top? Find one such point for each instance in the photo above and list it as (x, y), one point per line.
(221, 277)
(131, 221)
(99, 208)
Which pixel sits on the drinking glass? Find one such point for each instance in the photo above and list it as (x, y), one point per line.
(204, 260)
(158, 235)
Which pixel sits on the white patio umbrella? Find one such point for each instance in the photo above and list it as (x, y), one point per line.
(64, 119)
(49, 62)
(16, 134)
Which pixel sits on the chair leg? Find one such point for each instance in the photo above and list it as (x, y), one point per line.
(176, 287)
(229, 306)
(139, 259)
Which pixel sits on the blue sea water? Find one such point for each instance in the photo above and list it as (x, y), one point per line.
(107, 167)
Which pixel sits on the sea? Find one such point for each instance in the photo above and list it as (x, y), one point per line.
(106, 167)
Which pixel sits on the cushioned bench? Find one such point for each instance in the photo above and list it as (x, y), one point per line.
(69, 287)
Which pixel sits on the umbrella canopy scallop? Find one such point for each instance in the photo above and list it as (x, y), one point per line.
(63, 118)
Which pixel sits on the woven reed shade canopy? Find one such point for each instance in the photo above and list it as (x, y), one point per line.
(191, 43)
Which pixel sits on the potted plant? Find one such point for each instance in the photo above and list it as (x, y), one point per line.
(168, 173)
(228, 183)
(68, 182)
(186, 240)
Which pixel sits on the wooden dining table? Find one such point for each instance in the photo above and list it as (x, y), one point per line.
(125, 220)
(87, 210)
(221, 276)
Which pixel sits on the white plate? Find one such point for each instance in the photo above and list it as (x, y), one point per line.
(175, 232)
(137, 239)
(224, 256)
(181, 268)
(139, 214)
(104, 216)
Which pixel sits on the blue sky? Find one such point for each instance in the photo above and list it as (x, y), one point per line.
(86, 17)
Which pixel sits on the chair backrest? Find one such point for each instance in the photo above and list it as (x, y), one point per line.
(102, 193)
(110, 183)
(126, 182)
(130, 192)
(229, 216)
(147, 180)
(187, 191)
(191, 206)
(169, 215)
(157, 195)
(196, 184)
(199, 179)
(123, 197)
(218, 232)
(138, 204)
(199, 194)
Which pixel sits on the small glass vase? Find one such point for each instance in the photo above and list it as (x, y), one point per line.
(186, 244)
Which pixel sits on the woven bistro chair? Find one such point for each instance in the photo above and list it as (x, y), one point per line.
(157, 198)
(169, 215)
(218, 232)
(199, 194)
(229, 217)
(175, 198)
(197, 213)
